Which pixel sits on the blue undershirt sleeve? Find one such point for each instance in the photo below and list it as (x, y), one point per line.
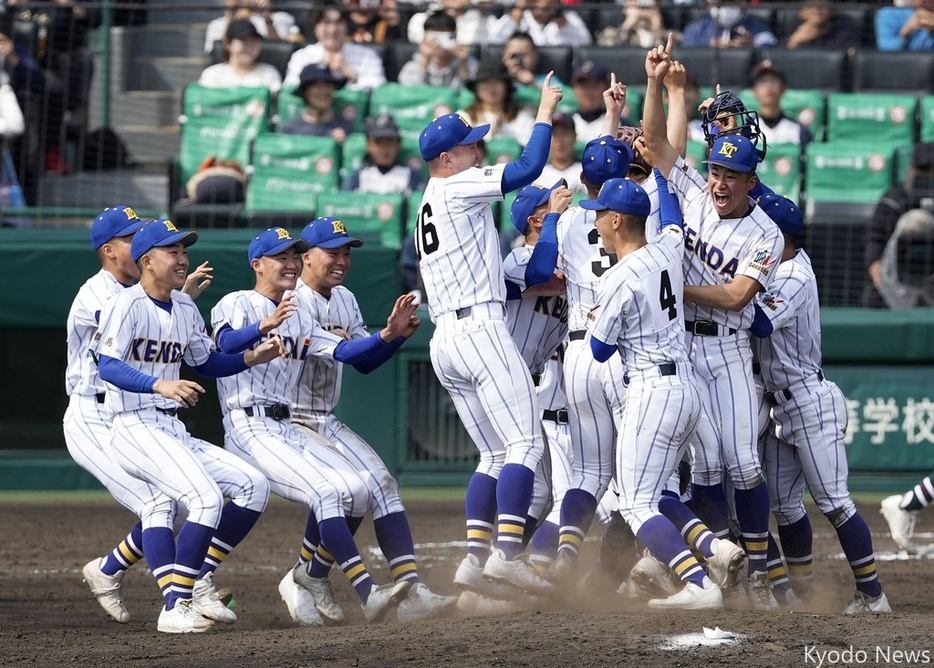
(119, 373)
(231, 340)
(668, 207)
(541, 265)
(359, 350)
(219, 365)
(530, 164)
(761, 325)
(601, 351)
(381, 356)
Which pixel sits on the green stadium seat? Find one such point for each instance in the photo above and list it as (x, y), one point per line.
(781, 170)
(349, 104)
(695, 155)
(927, 118)
(370, 216)
(808, 107)
(353, 154)
(290, 171)
(502, 149)
(845, 179)
(880, 118)
(220, 122)
(415, 201)
(412, 107)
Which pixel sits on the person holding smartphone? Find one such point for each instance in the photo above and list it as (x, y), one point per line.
(546, 22)
(440, 60)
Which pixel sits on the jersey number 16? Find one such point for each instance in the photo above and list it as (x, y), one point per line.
(426, 234)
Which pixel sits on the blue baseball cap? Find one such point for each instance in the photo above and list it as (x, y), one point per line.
(527, 200)
(622, 196)
(734, 151)
(446, 132)
(605, 158)
(117, 221)
(784, 212)
(158, 233)
(273, 241)
(328, 232)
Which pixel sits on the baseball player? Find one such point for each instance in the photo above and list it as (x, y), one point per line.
(321, 293)
(901, 512)
(638, 312)
(257, 413)
(145, 333)
(472, 353)
(86, 423)
(731, 251)
(809, 415)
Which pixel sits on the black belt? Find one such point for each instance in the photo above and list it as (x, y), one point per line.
(560, 416)
(770, 396)
(168, 411)
(536, 379)
(578, 335)
(276, 411)
(666, 369)
(756, 369)
(100, 397)
(705, 328)
(463, 312)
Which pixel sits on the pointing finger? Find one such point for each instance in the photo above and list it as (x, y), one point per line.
(671, 43)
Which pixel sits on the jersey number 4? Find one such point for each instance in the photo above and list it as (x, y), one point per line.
(426, 234)
(666, 296)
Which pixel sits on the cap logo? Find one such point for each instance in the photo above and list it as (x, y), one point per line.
(170, 226)
(282, 234)
(338, 227)
(130, 213)
(463, 120)
(728, 149)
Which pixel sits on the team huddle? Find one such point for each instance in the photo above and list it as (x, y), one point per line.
(649, 357)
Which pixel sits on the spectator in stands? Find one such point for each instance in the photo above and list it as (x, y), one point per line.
(563, 161)
(373, 21)
(819, 29)
(906, 28)
(547, 22)
(727, 26)
(495, 104)
(475, 20)
(272, 25)
(589, 81)
(316, 87)
(523, 62)
(382, 172)
(894, 203)
(12, 123)
(440, 60)
(768, 85)
(361, 66)
(642, 26)
(242, 44)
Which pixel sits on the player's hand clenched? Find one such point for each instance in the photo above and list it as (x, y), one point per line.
(279, 316)
(185, 392)
(198, 280)
(267, 351)
(559, 200)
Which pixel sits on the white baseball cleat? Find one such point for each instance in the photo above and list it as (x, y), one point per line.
(862, 603)
(470, 576)
(422, 603)
(760, 591)
(300, 602)
(183, 619)
(518, 572)
(691, 597)
(205, 600)
(653, 577)
(471, 603)
(106, 588)
(901, 523)
(321, 592)
(384, 598)
(726, 563)
(562, 570)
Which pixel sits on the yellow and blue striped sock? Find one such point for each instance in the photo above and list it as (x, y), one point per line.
(127, 552)
(395, 540)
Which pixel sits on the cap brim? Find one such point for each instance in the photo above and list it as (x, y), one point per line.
(592, 205)
(727, 165)
(132, 228)
(300, 245)
(475, 135)
(353, 242)
(186, 238)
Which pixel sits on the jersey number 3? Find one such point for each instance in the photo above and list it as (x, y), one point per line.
(666, 296)
(606, 260)
(426, 234)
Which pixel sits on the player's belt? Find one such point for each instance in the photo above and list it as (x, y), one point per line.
(578, 335)
(707, 328)
(782, 396)
(480, 310)
(100, 397)
(276, 411)
(536, 379)
(666, 369)
(559, 416)
(168, 411)
(756, 369)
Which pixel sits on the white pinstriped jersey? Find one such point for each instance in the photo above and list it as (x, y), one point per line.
(319, 387)
(537, 324)
(457, 241)
(717, 250)
(641, 304)
(653, 224)
(550, 389)
(81, 375)
(272, 383)
(792, 353)
(151, 340)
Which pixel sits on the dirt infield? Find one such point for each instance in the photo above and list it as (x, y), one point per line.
(48, 617)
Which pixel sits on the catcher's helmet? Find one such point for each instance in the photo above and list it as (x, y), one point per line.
(726, 110)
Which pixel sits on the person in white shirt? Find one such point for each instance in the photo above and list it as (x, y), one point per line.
(546, 21)
(768, 86)
(360, 65)
(589, 81)
(474, 23)
(563, 161)
(243, 43)
(495, 105)
(440, 59)
(382, 171)
(276, 26)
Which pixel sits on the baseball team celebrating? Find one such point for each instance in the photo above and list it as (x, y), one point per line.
(650, 357)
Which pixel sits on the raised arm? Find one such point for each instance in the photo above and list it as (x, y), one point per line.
(675, 81)
(657, 63)
(614, 99)
(534, 156)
